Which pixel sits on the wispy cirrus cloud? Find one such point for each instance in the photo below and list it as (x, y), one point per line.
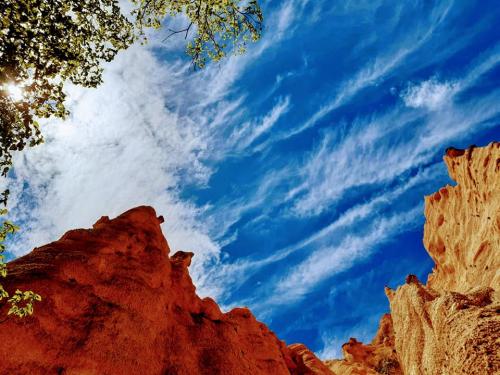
(333, 167)
(327, 261)
(365, 152)
(244, 135)
(371, 74)
(234, 275)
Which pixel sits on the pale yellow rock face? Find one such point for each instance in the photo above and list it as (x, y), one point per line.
(378, 357)
(462, 229)
(452, 325)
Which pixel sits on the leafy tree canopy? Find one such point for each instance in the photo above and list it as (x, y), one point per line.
(44, 43)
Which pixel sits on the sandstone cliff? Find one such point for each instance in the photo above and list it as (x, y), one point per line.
(115, 303)
(451, 325)
(462, 229)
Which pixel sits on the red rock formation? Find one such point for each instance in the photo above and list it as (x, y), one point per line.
(378, 357)
(115, 303)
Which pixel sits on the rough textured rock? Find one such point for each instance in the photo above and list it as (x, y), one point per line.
(307, 362)
(452, 324)
(378, 357)
(462, 229)
(448, 333)
(115, 303)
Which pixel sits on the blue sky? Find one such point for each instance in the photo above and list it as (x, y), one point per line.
(297, 172)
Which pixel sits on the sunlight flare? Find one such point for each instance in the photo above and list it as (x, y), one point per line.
(15, 92)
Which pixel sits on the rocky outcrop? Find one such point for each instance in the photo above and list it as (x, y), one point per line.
(378, 357)
(446, 333)
(307, 362)
(451, 325)
(114, 302)
(462, 229)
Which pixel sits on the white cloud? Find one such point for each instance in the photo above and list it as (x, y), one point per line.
(292, 284)
(434, 95)
(429, 94)
(247, 133)
(371, 151)
(332, 347)
(328, 261)
(371, 74)
(235, 274)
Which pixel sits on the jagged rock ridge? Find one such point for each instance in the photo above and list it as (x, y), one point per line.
(378, 357)
(115, 303)
(451, 325)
